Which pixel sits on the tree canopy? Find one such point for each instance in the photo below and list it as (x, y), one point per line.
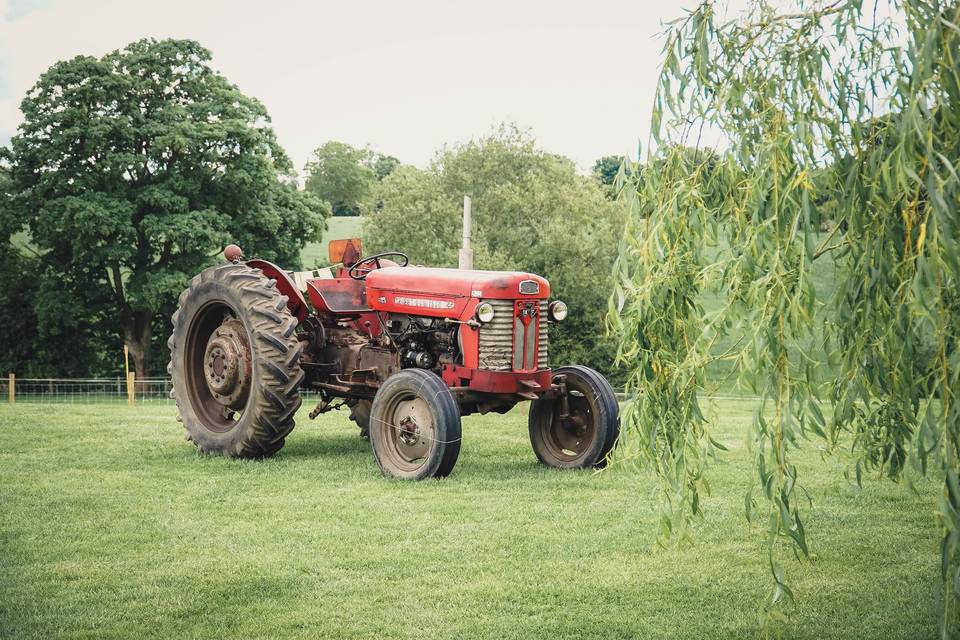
(344, 176)
(133, 170)
(605, 169)
(826, 99)
(382, 165)
(531, 211)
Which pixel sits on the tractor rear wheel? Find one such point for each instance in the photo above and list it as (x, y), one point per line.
(235, 362)
(415, 426)
(583, 438)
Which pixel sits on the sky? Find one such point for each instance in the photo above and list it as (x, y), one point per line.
(403, 77)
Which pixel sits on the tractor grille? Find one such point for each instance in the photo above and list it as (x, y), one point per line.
(497, 339)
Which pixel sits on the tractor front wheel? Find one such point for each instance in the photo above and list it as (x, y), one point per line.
(415, 426)
(579, 430)
(235, 362)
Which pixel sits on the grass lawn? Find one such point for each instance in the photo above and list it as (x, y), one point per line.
(338, 228)
(112, 526)
(21, 240)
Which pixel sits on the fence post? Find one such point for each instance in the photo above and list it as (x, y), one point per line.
(12, 390)
(131, 381)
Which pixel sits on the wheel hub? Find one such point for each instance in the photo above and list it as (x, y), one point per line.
(570, 433)
(226, 364)
(409, 431)
(414, 429)
(572, 429)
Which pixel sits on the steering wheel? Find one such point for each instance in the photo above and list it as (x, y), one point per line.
(358, 272)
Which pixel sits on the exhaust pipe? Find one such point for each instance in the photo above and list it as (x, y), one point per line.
(466, 253)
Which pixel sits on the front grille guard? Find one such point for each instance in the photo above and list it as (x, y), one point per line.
(497, 339)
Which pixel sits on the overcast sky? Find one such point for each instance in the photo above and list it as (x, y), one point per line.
(403, 77)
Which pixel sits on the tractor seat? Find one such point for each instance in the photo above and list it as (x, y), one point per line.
(338, 295)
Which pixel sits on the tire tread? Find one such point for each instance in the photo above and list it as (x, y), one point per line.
(276, 388)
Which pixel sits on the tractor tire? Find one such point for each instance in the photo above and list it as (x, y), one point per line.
(594, 425)
(360, 413)
(415, 426)
(235, 363)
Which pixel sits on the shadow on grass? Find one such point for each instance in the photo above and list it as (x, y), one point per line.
(313, 443)
(475, 464)
(497, 463)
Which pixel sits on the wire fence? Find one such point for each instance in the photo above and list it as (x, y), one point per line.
(85, 390)
(93, 391)
(143, 391)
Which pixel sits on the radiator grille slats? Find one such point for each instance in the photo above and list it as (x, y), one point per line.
(542, 359)
(496, 339)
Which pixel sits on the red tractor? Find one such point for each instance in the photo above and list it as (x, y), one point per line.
(409, 350)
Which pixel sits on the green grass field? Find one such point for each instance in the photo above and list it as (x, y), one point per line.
(112, 526)
(338, 228)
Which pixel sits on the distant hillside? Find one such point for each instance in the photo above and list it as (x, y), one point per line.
(338, 228)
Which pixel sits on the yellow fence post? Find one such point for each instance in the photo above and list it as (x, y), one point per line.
(131, 381)
(12, 391)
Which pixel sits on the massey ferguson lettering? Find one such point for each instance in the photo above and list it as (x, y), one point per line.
(424, 303)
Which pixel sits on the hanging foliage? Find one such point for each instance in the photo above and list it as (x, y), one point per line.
(854, 104)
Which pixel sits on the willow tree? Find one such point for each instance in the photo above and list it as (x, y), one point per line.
(870, 96)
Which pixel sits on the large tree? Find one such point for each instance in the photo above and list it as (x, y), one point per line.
(822, 103)
(34, 315)
(531, 211)
(18, 288)
(133, 170)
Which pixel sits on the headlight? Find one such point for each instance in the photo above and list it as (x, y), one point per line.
(484, 312)
(558, 310)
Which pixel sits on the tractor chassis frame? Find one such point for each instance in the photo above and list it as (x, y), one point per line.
(469, 399)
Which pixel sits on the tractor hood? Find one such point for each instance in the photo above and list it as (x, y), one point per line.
(454, 283)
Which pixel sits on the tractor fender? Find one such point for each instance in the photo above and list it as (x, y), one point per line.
(285, 285)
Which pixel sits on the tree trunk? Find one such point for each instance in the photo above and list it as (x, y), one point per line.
(136, 335)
